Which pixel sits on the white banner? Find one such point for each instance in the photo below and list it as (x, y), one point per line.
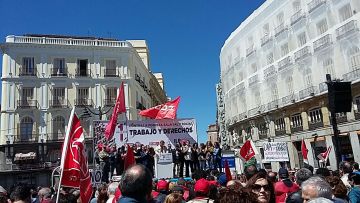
(165, 158)
(275, 151)
(149, 132)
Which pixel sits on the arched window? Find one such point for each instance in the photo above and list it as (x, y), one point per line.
(289, 85)
(354, 54)
(26, 128)
(328, 65)
(58, 127)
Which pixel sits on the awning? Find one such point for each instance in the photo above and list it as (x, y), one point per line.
(27, 156)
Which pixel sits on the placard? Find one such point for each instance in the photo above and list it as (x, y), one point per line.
(275, 151)
(165, 158)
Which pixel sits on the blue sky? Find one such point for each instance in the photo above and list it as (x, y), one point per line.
(184, 37)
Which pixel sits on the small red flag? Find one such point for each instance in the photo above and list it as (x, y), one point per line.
(247, 151)
(129, 158)
(162, 111)
(325, 155)
(74, 165)
(227, 171)
(304, 151)
(118, 108)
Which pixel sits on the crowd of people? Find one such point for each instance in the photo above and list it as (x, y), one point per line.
(186, 157)
(136, 185)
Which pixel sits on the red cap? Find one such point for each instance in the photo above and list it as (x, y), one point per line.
(214, 182)
(162, 185)
(202, 185)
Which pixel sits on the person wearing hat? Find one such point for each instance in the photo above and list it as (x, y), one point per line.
(162, 188)
(354, 180)
(284, 186)
(201, 189)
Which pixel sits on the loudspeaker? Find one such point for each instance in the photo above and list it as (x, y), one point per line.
(340, 97)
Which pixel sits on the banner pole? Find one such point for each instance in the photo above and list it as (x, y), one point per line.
(64, 150)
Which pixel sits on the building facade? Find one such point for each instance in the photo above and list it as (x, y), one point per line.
(213, 133)
(273, 69)
(44, 76)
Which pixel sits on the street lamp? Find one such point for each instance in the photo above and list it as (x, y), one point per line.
(87, 112)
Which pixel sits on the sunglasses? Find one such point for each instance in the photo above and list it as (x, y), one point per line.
(257, 187)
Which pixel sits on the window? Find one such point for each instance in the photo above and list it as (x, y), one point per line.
(110, 69)
(83, 96)
(308, 79)
(257, 99)
(58, 66)
(26, 128)
(301, 39)
(296, 6)
(322, 26)
(111, 93)
(315, 116)
(280, 18)
(296, 121)
(58, 96)
(345, 12)
(58, 127)
(289, 85)
(270, 58)
(354, 58)
(253, 67)
(284, 49)
(27, 93)
(274, 93)
(266, 29)
(329, 66)
(28, 66)
(280, 124)
(82, 69)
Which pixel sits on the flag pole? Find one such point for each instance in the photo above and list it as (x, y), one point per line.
(64, 150)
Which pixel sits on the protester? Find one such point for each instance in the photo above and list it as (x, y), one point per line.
(233, 194)
(323, 172)
(174, 198)
(162, 189)
(201, 189)
(354, 181)
(20, 194)
(136, 185)
(44, 195)
(176, 160)
(284, 187)
(345, 170)
(338, 188)
(209, 155)
(250, 171)
(261, 188)
(111, 192)
(195, 164)
(272, 177)
(202, 157)
(186, 153)
(301, 176)
(316, 187)
(217, 157)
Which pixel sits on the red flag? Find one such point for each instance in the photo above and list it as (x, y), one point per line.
(325, 155)
(247, 151)
(118, 108)
(74, 165)
(162, 111)
(304, 151)
(227, 171)
(129, 158)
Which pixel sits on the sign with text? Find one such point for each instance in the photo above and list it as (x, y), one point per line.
(275, 151)
(165, 158)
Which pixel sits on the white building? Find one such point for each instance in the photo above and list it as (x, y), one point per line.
(273, 69)
(44, 76)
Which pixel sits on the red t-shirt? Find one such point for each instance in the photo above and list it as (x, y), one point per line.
(282, 190)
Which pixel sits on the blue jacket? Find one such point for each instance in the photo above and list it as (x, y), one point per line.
(124, 199)
(354, 195)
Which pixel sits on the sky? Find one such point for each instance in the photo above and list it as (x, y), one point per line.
(184, 37)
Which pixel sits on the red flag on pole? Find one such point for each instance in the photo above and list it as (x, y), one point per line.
(325, 155)
(304, 151)
(129, 158)
(162, 111)
(227, 171)
(118, 108)
(248, 151)
(74, 165)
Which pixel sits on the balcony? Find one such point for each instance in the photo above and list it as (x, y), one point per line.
(288, 99)
(269, 72)
(83, 72)
(140, 106)
(322, 42)
(347, 29)
(302, 53)
(242, 116)
(55, 137)
(110, 102)
(279, 29)
(58, 72)
(295, 129)
(253, 112)
(262, 132)
(352, 76)
(316, 124)
(340, 118)
(280, 132)
(27, 71)
(250, 50)
(59, 103)
(27, 104)
(26, 138)
(266, 39)
(310, 91)
(273, 105)
(240, 87)
(84, 102)
(297, 17)
(323, 87)
(286, 62)
(314, 4)
(357, 114)
(253, 80)
(110, 72)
